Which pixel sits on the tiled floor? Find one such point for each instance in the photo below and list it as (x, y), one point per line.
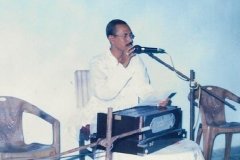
(219, 154)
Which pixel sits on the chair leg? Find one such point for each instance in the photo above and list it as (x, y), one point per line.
(228, 141)
(85, 152)
(208, 140)
(81, 143)
(199, 134)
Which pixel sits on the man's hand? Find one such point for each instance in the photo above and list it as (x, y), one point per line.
(165, 102)
(85, 131)
(126, 57)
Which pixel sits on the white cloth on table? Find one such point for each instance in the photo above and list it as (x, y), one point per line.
(182, 150)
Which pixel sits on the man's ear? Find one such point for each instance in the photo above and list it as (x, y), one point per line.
(111, 38)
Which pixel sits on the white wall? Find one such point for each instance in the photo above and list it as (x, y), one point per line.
(42, 43)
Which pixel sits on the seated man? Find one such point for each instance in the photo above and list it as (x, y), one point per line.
(118, 77)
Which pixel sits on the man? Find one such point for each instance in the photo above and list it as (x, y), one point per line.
(119, 78)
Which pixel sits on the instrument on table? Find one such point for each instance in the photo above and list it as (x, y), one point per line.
(162, 127)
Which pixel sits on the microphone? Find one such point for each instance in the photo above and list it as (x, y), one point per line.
(139, 50)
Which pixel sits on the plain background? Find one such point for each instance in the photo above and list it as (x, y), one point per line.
(43, 42)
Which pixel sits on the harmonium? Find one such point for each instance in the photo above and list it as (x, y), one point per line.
(164, 123)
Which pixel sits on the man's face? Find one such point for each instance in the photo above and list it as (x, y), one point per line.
(123, 38)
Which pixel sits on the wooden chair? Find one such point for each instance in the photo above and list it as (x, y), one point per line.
(82, 87)
(83, 95)
(12, 145)
(214, 120)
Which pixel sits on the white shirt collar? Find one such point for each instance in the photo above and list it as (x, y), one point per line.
(111, 57)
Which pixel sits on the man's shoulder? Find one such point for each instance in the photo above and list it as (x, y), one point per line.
(137, 59)
(98, 57)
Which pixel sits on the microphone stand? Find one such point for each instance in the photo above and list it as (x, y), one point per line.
(193, 87)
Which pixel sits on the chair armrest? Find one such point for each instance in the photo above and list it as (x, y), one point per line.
(29, 108)
(56, 135)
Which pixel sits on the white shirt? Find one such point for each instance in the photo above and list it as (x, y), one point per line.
(117, 87)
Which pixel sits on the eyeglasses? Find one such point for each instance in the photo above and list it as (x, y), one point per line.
(126, 35)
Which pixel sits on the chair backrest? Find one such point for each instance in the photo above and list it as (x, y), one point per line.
(11, 131)
(82, 87)
(213, 110)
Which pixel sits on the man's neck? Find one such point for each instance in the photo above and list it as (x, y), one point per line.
(115, 52)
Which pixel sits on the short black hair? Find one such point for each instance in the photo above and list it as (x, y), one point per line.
(111, 26)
